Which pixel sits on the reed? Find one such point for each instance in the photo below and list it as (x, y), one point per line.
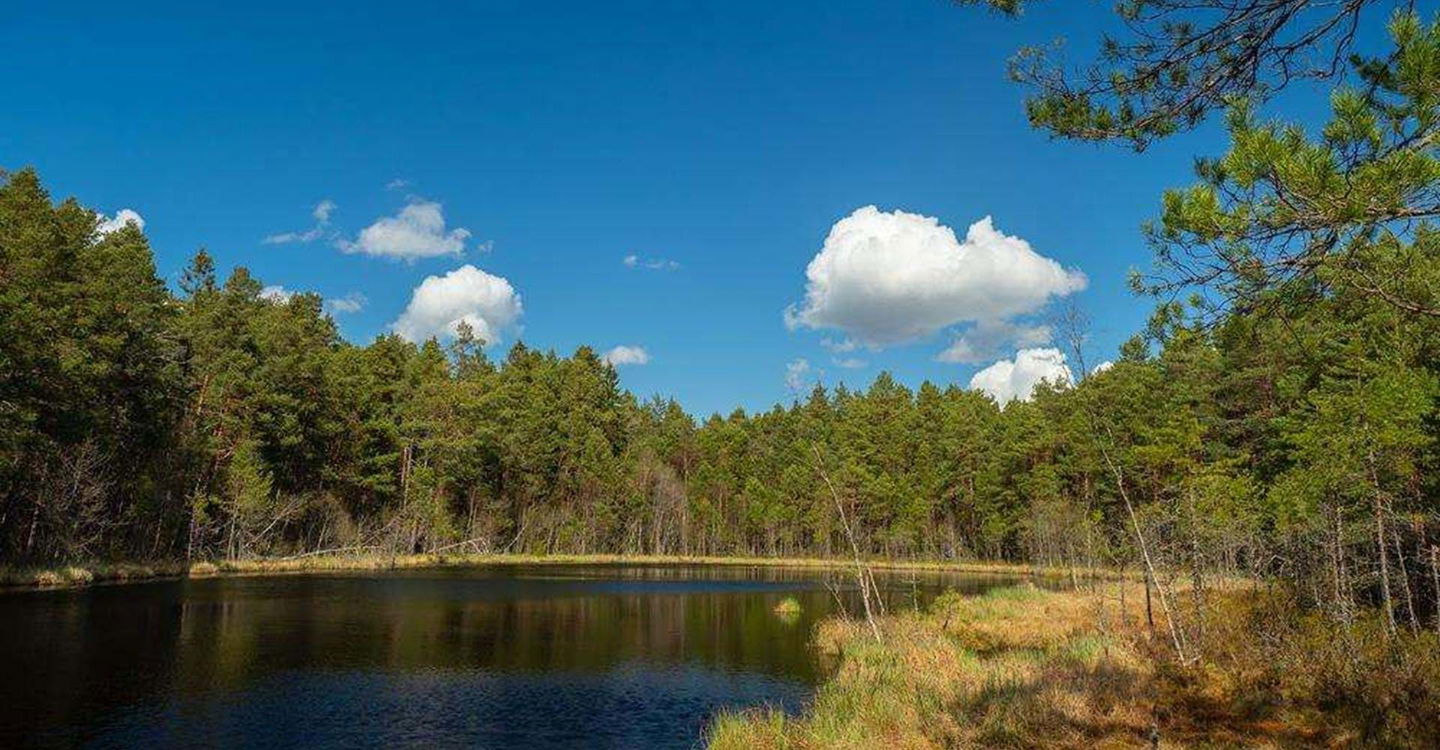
(1024, 667)
(87, 573)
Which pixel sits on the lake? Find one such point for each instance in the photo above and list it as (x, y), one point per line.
(544, 656)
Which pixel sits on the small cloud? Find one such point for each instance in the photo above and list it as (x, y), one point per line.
(350, 303)
(287, 238)
(1102, 367)
(1011, 380)
(987, 339)
(418, 231)
(321, 212)
(277, 294)
(797, 372)
(850, 363)
(839, 347)
(627, 355)
(488, 303)
(650, 264)
(122, 217)
(397, 184)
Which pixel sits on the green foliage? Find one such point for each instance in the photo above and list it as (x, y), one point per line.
(1005, 7)
(89, 385)
(1176, 62)
(1285, 216)
(1281, 433)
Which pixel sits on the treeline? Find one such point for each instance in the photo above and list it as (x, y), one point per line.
(1282, 423)
(218, 422)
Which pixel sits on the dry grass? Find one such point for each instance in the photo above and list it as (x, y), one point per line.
(84, 575)
(89, 573)
(1003, 669)
(1020, 667)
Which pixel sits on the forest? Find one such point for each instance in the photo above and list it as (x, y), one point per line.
(1224, 532)
(1276, 418)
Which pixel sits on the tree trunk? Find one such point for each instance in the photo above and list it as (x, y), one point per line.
(1380, 548)
(1405, 585)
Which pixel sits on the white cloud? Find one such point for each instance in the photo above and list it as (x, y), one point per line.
(841, 346)
(797, 371)
(276, 293)
(488, 303)
(887, 278)
(987, 339)
(1102, 367)
(418, 231)
(851, 363)
(321, 213)
(627, 355)
(122, 217)
(280, 295)
(286, 238)
(397, 184)
(350, 303)
(651, 264)
(1008, 380)
(322, 210)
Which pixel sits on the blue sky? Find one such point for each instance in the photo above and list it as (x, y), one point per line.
(727, 138)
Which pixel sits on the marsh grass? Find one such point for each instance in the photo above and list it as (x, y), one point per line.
(996, 669)
(1023, 667)
(86, 574)
(82, 574)
(788, 610)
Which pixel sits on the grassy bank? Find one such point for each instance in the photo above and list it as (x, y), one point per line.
(1021, 667)
(84, 574)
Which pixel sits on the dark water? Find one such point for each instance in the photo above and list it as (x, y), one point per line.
(496, 657)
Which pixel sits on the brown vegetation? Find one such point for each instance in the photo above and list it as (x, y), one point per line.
(90, 573)
(1021, 667)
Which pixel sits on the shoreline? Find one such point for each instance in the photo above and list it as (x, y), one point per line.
(82, 575)
(1020, 666)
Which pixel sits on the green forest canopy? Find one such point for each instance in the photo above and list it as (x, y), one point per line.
(1287, 429)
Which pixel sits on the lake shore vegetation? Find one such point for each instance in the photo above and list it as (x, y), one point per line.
(1276, 423)
(87, 573)
(1080, 668)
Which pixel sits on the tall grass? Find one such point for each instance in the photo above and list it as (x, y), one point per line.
(1022, 667)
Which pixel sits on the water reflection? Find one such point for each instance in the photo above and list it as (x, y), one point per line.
(516, 657)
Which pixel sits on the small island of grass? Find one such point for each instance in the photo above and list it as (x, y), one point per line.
(788, 609)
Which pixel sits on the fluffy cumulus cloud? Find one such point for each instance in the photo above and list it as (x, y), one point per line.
(321, 213)
(438, 306)
(627, 355)
(117, 222)
(1102, 367)
(889, 277)
(418, 231)
(1009, 380)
